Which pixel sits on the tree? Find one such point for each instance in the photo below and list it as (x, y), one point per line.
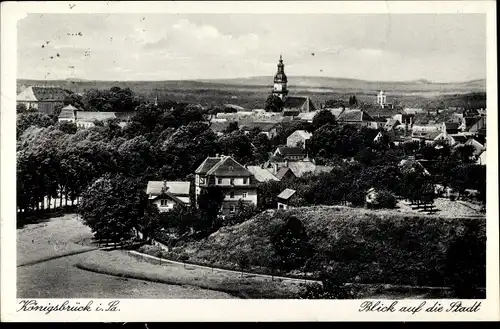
(21, 108)
(291, 243)
(244, 212)
(334, 103)
(67, 127)
(324, 141)
(180, 219)
(262, 148)
(268, 192)
(115, 99)
(112, 206)
(238, 145)
(137, 154)
(353, 101)
(209, 203)
(28, 119)
(150, 221)
(322, 118)
(233, 126)
(243, 261)
(273, 104)
(189, 146)
(74, 99)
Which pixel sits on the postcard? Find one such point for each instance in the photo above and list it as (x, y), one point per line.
(249, 161)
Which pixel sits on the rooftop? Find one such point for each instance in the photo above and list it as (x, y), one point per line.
(286, 194)
(302, 133)
(41, 93)
(285, 150)
(262, 174)
(175, 188)
(354, 116)
(222, 166)
(264, 126)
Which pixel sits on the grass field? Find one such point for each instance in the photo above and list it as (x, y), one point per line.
(360, 245)
(60, 278)
(247, 286)
(51, 237)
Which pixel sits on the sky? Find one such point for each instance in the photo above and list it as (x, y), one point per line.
(378, 47)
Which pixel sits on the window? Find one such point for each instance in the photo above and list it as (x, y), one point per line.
(231, 195)
(232, 208)
(163, 203)
(245, 181)
(244, 195)
(202, 180)
(219, 181)
(231, 181)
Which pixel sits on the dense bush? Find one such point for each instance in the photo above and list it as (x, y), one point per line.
(385, 199)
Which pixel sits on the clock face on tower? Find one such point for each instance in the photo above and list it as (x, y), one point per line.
(277, 87)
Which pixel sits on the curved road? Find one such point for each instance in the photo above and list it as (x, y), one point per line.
(59, 277)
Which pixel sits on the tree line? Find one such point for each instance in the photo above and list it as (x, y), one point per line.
(168, 142)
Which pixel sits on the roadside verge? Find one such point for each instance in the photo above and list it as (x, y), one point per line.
(119, 263)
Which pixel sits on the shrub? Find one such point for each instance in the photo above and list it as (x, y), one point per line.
(328, 290)
(291, 243)
(385, 199)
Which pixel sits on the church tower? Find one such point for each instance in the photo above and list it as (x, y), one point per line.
(280, 81)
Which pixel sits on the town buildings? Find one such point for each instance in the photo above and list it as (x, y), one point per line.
(298, 138)
(290, 153)
(236, 182)
(382, 100)
(45, 99)
(87, 119)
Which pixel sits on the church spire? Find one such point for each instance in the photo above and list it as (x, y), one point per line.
(280, 80)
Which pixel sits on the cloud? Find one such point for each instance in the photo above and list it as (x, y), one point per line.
(189, 38)
(190, 46)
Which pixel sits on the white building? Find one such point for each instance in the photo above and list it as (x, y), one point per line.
(167, 194)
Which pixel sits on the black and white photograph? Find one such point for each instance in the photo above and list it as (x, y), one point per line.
(291, 156)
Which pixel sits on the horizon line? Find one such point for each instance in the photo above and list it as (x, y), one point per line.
(259, 76)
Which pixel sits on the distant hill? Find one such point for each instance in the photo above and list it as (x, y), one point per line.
(356, 84)
(252, 92)
(304, 83)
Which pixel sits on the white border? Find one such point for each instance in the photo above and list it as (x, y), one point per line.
(149, 310)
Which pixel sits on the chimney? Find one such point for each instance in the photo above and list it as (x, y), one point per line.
(276, 168)
(165, 187)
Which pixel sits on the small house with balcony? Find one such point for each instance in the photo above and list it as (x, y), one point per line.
(236, 182)
(168, 194)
